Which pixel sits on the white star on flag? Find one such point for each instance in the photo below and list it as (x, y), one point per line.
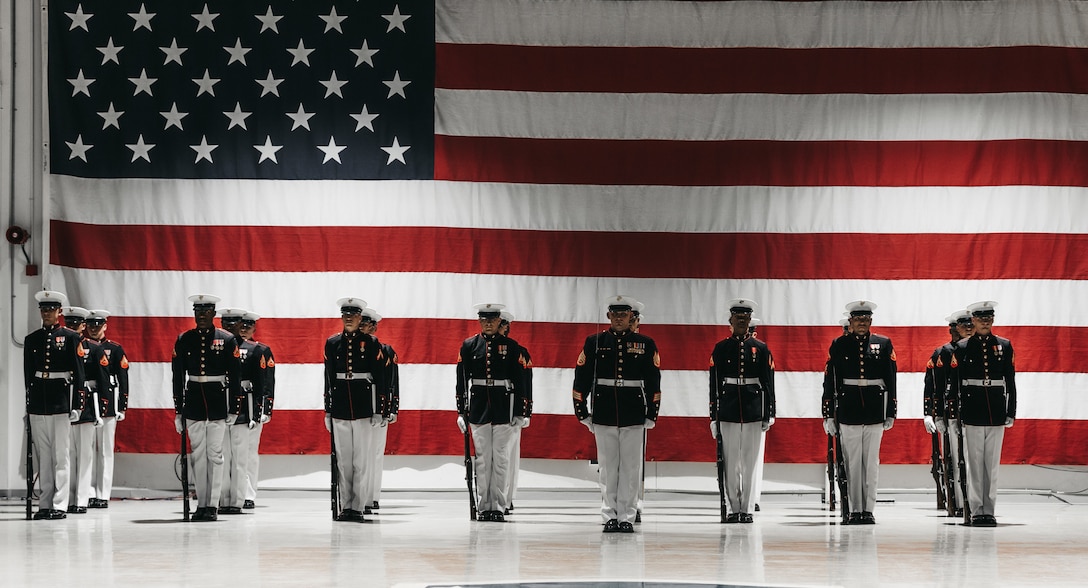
(268, 150)
(143, 83)
(270, 85)
(140, 150)
(206, 84)
(332, 21)
(301, 54)
(173, 117)
(79, 18)
(396, 152)
(300, 118)
(237, 53)
(364, 120)
(333, 85)
(396, 86)
(142, 18)
(173, 52)
(109, 52)
(237, 117)
(268, 21)
(111, 118)
(332, 150)
(79, 149)
(396, 20)
(203, 150)
(204, 19)
(364, 55)
(81, 85)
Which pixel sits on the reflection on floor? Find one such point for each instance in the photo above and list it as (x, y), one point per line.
(426, 538)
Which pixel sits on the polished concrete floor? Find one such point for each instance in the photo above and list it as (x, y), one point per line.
(419, 539)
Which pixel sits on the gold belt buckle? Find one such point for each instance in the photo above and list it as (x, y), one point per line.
(985, 381)
(489, 382)
(45, 375)
(349, 376)
(619, 382)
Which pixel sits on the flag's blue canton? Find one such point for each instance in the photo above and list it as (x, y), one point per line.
(298, 96)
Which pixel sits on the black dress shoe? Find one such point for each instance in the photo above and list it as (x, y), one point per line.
(98, 503)
(746, 518)
(375, 505)
(510, 508)
(757, 507)
(366, 510)
(497, 517)
(345, 515)
(983, 521)
(626, 527)
(56, 515)
(867, 518)
(73, 509)
(959, 512)
(734, 517)
(612, 526)
(230, 510)
(209, 514)
(977, 521)
(638, 516)
(42, 514)
(249, 504)
(854, 519)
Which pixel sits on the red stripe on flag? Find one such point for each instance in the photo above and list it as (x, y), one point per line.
(683, 347)
(918, 70)
(761, 163)
(1054, 442)
(737, 256)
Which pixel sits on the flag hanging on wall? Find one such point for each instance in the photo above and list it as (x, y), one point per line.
(429, 155)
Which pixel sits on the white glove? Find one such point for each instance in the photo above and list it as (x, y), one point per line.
(98, 422)
(767, 424)
(73, 416)
(376, 420)
(251, 424)
(461, 424)
(525, 423)
(588, 422)
(518, 422)
(265, 418)
(328, 422)
(1008, 422)
(829, 427)
(941, 425)
(930, 425)
(232, 418)
(714, 430)
(649, 424)
(120, 415)
(888, 424)
(392, 418)
(177, 423)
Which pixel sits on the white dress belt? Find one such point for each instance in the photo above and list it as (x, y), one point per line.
(740, 381)
(862, 382)
(353, 376)
(617, 383)
(53, 375)
(208, 379)
(999, 382)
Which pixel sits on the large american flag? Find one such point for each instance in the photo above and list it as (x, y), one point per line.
(428, 155)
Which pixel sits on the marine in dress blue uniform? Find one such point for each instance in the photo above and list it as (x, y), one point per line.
(742, 406)
(53, 376)
(371, 318)
(983, 388)
(113, 403)
(264, 396)
(84, 428)
(355, 400)
(860, 401)
(206, 371)
(617, 395)
(491, 399)
(937, 419)
(239, 424)
(505, 320)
